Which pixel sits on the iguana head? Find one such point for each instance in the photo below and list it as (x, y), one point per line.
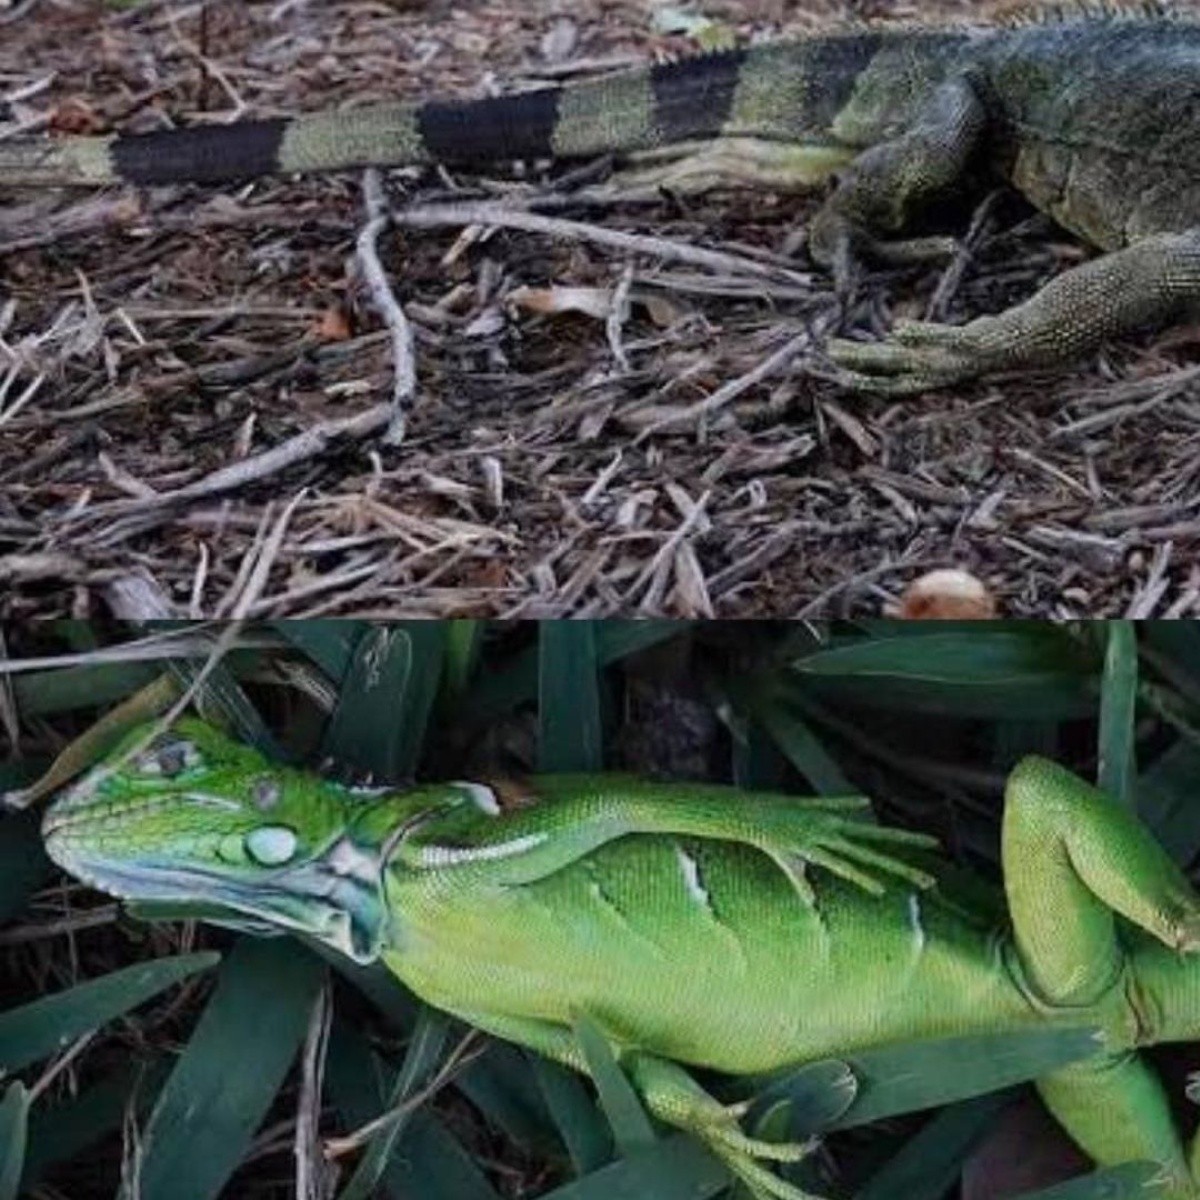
(191, 817)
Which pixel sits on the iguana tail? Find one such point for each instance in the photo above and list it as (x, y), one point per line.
(787, 91)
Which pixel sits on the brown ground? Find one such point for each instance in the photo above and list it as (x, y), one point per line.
(148, 341)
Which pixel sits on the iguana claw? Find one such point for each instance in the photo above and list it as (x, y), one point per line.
(673, 1096)
(841, 848)
(917, 357)
(761, 1183)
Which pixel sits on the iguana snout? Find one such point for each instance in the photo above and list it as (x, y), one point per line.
(186, 813)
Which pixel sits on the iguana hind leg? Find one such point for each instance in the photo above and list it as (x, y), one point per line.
(671, 1095)
(1115, 1108)
(728, 163)
(1146, 285)
(888, 183)
(1073, 857)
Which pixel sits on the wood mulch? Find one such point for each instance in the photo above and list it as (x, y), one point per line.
(616, 407)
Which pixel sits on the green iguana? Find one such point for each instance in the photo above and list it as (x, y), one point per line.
(1096, 119)
(635, 905)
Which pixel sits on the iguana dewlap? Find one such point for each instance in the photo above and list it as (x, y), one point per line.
(1094, 119)
(693, 924)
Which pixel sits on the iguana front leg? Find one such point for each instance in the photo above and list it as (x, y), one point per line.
(1146, 285)
(569, 816)
(670, 1094)
(886, 184)
(1073, 858)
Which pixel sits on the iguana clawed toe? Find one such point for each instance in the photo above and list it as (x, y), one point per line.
(916, 357)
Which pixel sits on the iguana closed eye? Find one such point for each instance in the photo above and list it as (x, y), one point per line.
(1093, 119)
(695, 925)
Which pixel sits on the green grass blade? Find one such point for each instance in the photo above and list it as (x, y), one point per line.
(14, 1120)
(804, 749)
(326, 641)
(583, 1130)
(757, 763)
(393, 1000)
(40, 693)
(464, 645)
(1013, 673)
(500, 1083)
(46, 1026)
(1173, 647)
(974, 659)
(1118, 708)
(907, 1078)
(675, 1168)
(379, 724)
(510, 683)
(919, 1075)
(631, 1127)
(59, 1133)
(570, 736)
(1165, 795)
(1129, 1181)
(931, 1160)
(424, 1056)
(428, 1161)
(23, 864)
(220, 695)
(816, 1095)
(234, 1063)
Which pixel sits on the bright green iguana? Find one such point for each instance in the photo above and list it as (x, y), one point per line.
(1093, 118)
(522, 908)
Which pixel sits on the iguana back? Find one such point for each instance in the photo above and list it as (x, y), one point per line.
(704, 951)
(1098, 123)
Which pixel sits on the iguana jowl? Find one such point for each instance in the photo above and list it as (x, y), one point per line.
(1095, 119)
(637, 905)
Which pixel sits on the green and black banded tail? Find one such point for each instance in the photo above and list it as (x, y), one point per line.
(784, 91)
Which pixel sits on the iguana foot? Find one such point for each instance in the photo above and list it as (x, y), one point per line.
(730, 162)
(917, 357)
(673, 1096)
(843, 850)
(1144, 285)
(761, 1183)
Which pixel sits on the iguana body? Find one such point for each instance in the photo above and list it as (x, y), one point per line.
(685, 920)
(1093, 119)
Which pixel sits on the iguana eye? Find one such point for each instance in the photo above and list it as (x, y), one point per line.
(272, 845)
(168, 757)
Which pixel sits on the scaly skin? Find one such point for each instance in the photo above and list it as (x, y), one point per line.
(1091, 118)
(521, 908)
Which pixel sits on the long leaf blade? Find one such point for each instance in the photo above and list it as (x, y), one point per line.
(14, 1122)
(1118, 707)
(46, 1026)
(569, 698)
(234, 1064)
(630, 1125)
